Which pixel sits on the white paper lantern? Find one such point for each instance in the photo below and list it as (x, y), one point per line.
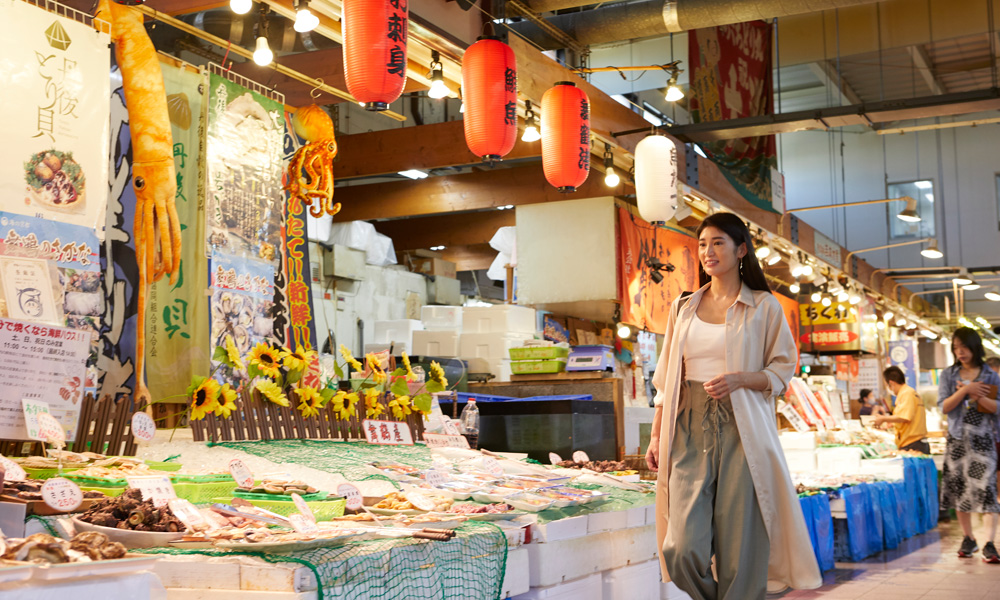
(656, 178)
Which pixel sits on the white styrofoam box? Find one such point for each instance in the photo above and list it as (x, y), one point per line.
(443, 290)
(565, 560)
(634, 582)
(631, 546)
(607, 521)
(563, 529)
(801, 461)
(435, 343)
(651, 514)
(516, 580)
(670, 591)
(584, 588)
(886, 468)
(838, 460)
(490, 345)
(399, 331)
(502, 318)
(636, 517)
(793, 440)
(501, 368)
(442, 318)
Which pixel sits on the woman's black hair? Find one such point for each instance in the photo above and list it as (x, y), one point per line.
(734, 227)
(971, 340)
(864, 394)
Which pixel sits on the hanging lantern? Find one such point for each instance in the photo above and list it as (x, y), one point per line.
(566, 136)
(656, 178)
(489, 89)
(375, 50)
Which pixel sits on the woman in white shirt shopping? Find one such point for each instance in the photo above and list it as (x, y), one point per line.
(723, 490)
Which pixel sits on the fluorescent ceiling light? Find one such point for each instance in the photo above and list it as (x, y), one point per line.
(413, 174)
(924, 185)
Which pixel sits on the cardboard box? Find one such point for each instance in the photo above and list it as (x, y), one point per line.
(434, 266)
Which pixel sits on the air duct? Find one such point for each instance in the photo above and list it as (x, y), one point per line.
(650, 18)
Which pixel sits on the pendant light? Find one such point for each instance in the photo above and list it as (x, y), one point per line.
(240, 7)
(305, 20)
(611, 178)
(262, 54)
(438, 89)
(531, 133)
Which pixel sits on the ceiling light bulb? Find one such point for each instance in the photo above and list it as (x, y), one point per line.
(240, 7)
(262, 55)
(674, 93)
(961, 280)
(762, 252)
(794, 288)
(900, 322)
(880, 325)
(438, 88)
(843, 296)
(888, 315)
(909, 214)
(944, 341)
(826, 301)
(927, 333)
(993, 295)
(816, 296)
(774, 259)
(911, 325)
(971, 286)
(531, 133)
(807, 270)
(624, 331)
(305, 20)
(611, 178)
(855, 298)
(931, 251)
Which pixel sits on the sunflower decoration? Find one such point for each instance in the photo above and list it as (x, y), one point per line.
(373, 408)
(437, 375)
(310, 401)
(227, 401)
(410, 375)
(378, 375)
(350, 359)
(271, 392)
(233, 353)
(266, 360)
(204, 393)
(400, 407)
(345, 404)
(299, 360)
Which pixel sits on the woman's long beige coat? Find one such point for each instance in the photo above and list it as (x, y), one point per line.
(757, 340)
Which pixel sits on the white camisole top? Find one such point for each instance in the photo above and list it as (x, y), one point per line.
(704, 350)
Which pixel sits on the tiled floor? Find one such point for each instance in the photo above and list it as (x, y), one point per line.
(925, 567)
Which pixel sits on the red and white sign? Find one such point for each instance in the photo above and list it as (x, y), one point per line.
(829, 337)
(241, 473)
(143, 427)
(439, 440)
(62, 494)
(12, 470)
(303, 507)
(387, 433)
(154, 487)
(352, 494)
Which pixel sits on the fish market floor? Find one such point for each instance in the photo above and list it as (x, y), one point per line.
(924, 567)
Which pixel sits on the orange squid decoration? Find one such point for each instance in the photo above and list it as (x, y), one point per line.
(157, 230)
(310, 172)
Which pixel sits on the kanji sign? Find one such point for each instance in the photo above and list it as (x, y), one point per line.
(352, 494)
(156, 488)
(143, 427)
(12, 470)
(440, 440)
(62, 494)
(387, 433)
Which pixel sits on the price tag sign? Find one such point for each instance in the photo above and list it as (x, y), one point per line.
(387, 433)
(436, 478)
(450, 427)
(492, 466)
(188, 514)
(62, 494)
(32, 408)
(302, 524)
(438, 440)
(50, 430)
(143, 427)
(241, 473)
(580, 456)
(419, 500)
(12, 470)
(303, 507)
(155, 487)
(352, 494)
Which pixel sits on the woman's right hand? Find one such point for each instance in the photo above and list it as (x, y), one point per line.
(653, 455)
(976, 389)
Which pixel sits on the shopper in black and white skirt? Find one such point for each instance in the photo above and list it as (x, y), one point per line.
(970, 464)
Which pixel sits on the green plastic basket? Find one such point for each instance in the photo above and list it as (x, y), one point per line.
(324, 510)
(523, 367)
(214, 478)
(276, 497)
(164, 466)
(48, 473)
(539, 353)
(107, 491)
(97, 482)
(200, 493)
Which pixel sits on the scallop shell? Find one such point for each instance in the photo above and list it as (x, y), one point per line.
(180, 110)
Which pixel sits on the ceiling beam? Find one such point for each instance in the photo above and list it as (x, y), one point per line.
(450, 231)
(922, 62)
(475, 257)
(827, 74)
(481, 190)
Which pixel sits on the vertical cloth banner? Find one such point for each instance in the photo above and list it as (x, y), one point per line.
(177, 324)
(54, 142)
(731, 78)
(645, 303)
(296, 258)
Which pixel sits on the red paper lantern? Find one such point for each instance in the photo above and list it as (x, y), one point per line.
(375, 50)
(566, 136)
(489, 89)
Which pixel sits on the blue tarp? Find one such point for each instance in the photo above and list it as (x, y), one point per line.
(890, 515)
(819, 522)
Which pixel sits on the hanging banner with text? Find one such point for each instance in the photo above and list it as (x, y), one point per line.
(645, 303)
(731, 78)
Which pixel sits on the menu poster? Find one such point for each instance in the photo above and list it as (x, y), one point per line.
(40, 363)
(54, 142)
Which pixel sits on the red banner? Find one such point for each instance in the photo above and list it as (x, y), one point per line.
(646, 304)
(731, 78)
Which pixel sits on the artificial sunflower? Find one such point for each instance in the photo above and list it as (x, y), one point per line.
(350, 359)
(271, 392)
(204, 393)
(373, 408)
(410, 375)
(378, 375)
(310, 401)
(227, 401)
(265, 358)
(437, 374)
(234, 353)
(344, 404)
(298, 360)
(400, 407)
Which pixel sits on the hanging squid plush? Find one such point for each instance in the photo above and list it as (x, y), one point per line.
(157, 229)
(310, 173)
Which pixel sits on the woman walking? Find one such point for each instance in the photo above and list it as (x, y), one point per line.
(969, 482)
(723, 489)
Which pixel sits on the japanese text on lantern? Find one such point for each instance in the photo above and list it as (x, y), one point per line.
(396, 29)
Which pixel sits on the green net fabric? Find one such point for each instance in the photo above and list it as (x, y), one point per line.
(470, 566)
(350, 459)
(618, 499)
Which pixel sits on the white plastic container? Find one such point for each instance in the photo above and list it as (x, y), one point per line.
(585, 588)
(436, 343)
(506, 318)
(634, 582)
(801, 461)
(442, 318)
(838, 460)
(398, 332)
(491, 346)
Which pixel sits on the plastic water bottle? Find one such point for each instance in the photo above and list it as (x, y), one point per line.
(470, 423)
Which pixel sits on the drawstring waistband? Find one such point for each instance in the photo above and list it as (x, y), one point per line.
(716, 415)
